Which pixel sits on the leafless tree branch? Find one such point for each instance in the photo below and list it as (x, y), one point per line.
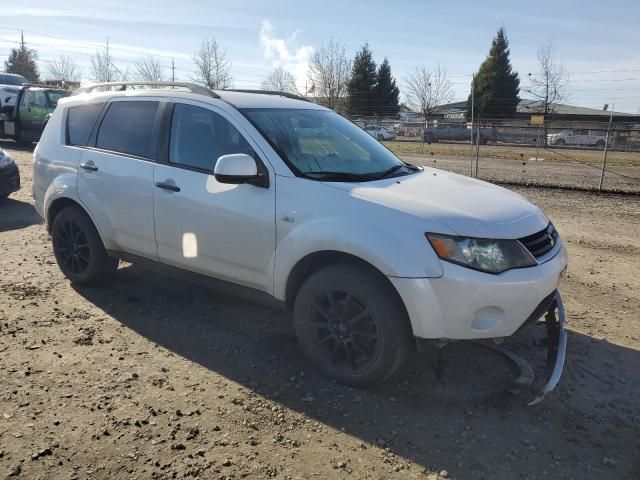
(213, 67)
(280, 80)
(103, 68)
(148, 69)
(549, 86)
(64, 69)
(329, 71)
(425, 89)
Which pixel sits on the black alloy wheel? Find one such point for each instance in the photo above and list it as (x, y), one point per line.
(351, 324)
(78, 248)
(71, 247)
(346, 334)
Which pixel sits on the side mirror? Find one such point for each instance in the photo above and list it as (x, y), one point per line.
(239, 168)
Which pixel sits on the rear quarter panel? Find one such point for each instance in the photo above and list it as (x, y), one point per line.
(54, 165)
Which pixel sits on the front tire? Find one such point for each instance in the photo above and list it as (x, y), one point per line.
(352, 325)
(79, 250)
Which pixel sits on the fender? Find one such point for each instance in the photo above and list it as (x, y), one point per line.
(64, 186)
(392, 256)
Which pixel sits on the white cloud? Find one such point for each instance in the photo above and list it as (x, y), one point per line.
(281, 52)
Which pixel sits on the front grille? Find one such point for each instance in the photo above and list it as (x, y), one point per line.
(541, 242)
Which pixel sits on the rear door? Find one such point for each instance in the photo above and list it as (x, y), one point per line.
(222, 230)
(115, 176)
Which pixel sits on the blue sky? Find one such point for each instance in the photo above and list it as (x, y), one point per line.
(599, 42)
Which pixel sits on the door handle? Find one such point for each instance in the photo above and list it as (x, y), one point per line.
(89, 166)
(168, 186)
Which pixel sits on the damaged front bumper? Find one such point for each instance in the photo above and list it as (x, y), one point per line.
(551, 309)
(556, 347)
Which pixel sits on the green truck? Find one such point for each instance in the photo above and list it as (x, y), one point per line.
(23, 118)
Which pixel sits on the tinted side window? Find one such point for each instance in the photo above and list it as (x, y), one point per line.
(199, 137)
(127, 127)
(80, 122)
(40, 100)
(27, 99)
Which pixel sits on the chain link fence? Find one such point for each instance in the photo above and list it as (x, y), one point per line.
(586, 155)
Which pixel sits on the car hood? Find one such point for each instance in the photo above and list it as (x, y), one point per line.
(466, 206)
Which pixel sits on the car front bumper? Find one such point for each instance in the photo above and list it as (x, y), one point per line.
(465, 304)
(9, 179)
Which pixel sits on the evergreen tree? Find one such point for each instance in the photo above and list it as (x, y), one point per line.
(387, 92)
(496, 85)
(362, 85)
(22, 61)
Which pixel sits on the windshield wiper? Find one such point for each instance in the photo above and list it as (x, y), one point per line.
(388, 171)
(344, 176)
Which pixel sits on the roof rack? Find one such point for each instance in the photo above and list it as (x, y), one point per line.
(268, 92)
(192, 87)
(41, 85)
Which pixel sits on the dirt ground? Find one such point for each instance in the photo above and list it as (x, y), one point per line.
(148, 377)
(522, 165)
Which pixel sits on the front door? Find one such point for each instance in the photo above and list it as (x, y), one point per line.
(225, 231)
(115, 176)
(31, 114)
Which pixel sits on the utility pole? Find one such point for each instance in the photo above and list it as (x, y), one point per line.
(472, 107)
(173, 70)
(22, 39)
(606, 148)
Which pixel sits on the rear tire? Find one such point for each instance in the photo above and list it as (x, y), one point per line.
(352, 325)
(561, 143)
(79, 250)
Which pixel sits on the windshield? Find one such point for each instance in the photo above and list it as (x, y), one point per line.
(322, 144)
(12, 79)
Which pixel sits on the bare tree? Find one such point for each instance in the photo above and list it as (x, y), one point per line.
(280, 80)
(329, 71)
(103, 68)
(64, 69)
(549, 86)
(213, 67)
(425, 90)
(148, 69)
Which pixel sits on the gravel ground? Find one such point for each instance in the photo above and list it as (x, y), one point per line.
(531, 172)
(148, 377)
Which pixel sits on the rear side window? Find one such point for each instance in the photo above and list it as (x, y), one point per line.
(80, 122)
(127, 127)
(199, 137)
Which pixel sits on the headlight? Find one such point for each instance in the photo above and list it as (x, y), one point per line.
(486, 255)
(5, 160)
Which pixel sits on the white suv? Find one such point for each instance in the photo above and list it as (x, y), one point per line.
(286, 201)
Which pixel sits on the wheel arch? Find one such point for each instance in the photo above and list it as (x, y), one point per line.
(311, 263)
(57, 206)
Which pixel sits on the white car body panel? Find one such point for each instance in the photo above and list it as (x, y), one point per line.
(467, 206)
(255, 236)
(466, 304)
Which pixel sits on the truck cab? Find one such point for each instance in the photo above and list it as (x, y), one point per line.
(23, 118)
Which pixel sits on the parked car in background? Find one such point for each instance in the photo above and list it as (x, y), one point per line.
(456, 132)
(23, 119)
(8, 94)
(273, 197)
(381, 133)
(12, 79)
(578, 137)
(9, 175)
